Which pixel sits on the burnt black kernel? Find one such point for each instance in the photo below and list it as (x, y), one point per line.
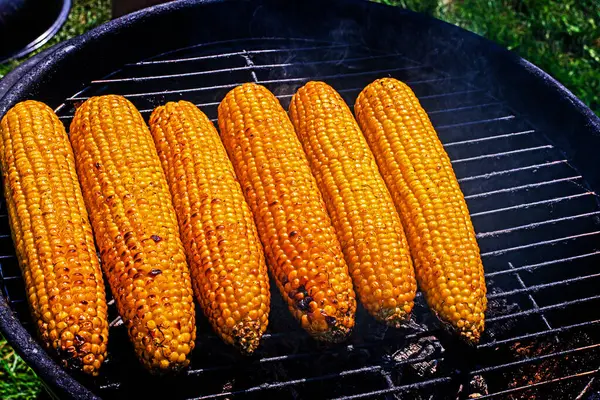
(156, 238)
(79, 340)
(155, 272)
(76, 362)
(293, 233)
(330, 320)
(304, 304)
(97, 165)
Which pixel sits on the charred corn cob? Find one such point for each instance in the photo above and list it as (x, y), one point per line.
(53, 237)
(229, 274)
(432, 207)
(361, 208)
(302, 251)
(136, 230)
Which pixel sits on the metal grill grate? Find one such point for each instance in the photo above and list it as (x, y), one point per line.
(537, 223)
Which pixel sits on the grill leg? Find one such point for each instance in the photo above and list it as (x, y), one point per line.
(122, 7)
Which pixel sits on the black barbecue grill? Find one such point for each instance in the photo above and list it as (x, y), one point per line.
(524, 150)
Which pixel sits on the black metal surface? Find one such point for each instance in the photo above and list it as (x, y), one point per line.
(25, 25)
(535, 214)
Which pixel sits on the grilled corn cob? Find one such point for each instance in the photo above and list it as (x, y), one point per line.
(302, 251)
(361, 208)
(136, 230)
(432, 207)
(229, 274)
(53, 236)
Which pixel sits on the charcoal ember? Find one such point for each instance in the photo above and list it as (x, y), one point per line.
(497, 307)
(477, 387)
(420, 352)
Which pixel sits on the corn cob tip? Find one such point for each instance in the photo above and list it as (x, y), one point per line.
(246, 336)
(468, 334)
(336, 334)
(396, 317)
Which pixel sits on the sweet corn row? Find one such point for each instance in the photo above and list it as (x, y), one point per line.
(419, 175)
(360, 205)
(301, 247)
(136, 230)
(53, 237)
(224, 253)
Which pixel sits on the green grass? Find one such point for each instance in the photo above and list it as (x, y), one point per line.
(561, 37)
(17, 380)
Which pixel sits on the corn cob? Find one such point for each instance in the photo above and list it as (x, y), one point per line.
(432, 207)
(136, 230)
(53, 236)
(229, 274)
(361, 208)
(302, 251)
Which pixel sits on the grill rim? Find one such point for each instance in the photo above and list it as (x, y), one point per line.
(19, 83)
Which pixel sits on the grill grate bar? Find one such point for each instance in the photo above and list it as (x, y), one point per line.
(535, 203)
(278, 385)
(481, 121)
(244, 68)
(534, 385)
(534, 359)
(236, 53)
(344, 75)
(543, 264)
(485, 139)
(302, 79)
(216, 103)
(298, 356)
(529, 296)
(586, 388)
(536, 244)
(510, 171)
(538, 334)
(463, 108)
(502, 154)
(437, 95)
(521, 187)
(396, 389)
(543, 309)
(534, 225)
(198, 89)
